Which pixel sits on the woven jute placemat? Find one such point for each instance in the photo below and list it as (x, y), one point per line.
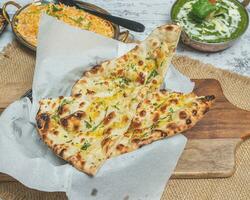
(16, 72)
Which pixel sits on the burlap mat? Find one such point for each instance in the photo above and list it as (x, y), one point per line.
(16, 71)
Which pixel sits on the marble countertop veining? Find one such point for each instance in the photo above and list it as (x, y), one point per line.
(153, 13)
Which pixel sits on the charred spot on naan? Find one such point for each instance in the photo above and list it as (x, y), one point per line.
(90, 92)
(141, 78)
(63, 109)
(122, 148)
(43, 122)
(59, 149)
(109, 118)
(143, 113)
(147, 139)
(135, 124)
(107, 144)
(72, 122)
(183, 115)
(77, 161)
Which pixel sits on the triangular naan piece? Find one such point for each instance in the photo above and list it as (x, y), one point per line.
(145, 65)
(162, 114)
(82, 131)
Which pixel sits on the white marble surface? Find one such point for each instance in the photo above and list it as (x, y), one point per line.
(153, 13)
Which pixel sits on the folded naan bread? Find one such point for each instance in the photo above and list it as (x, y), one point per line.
(116, 106)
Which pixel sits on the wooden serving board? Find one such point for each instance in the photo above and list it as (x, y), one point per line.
(210, 150)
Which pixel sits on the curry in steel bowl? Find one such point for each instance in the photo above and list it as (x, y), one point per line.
(25, 23)
(211, 21)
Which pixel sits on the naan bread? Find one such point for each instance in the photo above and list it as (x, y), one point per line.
(143, 66)
(162, 114)
(104, 111)
(82, 131)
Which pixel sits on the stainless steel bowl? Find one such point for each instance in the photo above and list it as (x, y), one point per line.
(212, 47)
(118, 35)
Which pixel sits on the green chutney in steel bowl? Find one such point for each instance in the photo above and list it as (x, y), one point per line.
(226, 23)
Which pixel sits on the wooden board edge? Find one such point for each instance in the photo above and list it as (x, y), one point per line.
(195, 164)
(6, 178)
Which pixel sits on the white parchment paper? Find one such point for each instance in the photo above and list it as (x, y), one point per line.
(63, 53)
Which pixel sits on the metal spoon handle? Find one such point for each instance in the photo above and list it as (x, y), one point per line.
(126, 23)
